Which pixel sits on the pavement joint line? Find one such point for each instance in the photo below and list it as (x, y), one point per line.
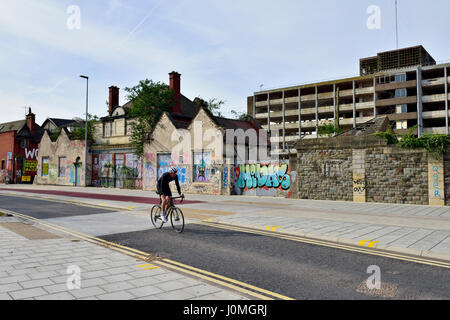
(78, 203)
(377, 252)
(144, 256)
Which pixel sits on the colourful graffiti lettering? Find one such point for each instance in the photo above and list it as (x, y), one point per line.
(263, 176)
(164, 167)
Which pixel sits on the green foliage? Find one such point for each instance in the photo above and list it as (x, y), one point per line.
(329, 130)
(389, 136)
(213, 105)
(239, 115)
(435, 144)
(55, 134)
(150, 101)
(78, 131)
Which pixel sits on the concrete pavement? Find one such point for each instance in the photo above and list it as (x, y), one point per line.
(37, 263)
(414, 230)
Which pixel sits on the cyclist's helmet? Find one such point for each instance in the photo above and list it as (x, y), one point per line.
(173, 170)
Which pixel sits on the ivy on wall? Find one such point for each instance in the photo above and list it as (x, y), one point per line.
(435, 144)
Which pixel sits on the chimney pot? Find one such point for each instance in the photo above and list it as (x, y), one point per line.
(175, 85)
(31, 121)
(113, 98)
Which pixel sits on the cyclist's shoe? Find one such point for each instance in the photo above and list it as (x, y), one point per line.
(163, 218)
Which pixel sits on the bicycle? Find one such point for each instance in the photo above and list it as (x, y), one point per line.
(174, 214)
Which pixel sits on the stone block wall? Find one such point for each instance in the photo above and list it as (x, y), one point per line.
(396, 175)
(366, 169)
(325, 174)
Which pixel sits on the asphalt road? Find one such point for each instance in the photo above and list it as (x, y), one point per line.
(43, 209)
(297, 270)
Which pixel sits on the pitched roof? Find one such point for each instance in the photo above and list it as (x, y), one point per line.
(60, 123)
(378, 124)
(233, 124)
(12, 126)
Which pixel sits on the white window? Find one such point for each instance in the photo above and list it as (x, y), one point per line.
(401, 93)
(402, 108)
(400, 77)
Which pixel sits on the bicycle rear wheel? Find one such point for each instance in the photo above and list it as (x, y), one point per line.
(155, 217)
(177, 220)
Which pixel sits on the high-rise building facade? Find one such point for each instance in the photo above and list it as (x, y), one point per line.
(406, 85)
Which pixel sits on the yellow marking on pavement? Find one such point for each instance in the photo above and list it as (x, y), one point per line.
(323, 243)
(363, 242)
(130, 208)
(370, 245)
(148, 267)
(144, 256)
(101, 204)
(273, 228)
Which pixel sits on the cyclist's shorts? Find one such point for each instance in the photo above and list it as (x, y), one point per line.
(166, 191)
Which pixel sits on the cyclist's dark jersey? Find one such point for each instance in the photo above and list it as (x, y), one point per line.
(163, 184)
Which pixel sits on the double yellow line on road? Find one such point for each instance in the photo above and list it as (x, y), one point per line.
(324, 243)
(236, 285)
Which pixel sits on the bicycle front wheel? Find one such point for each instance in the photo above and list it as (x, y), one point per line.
(177, 220)
(155, 216)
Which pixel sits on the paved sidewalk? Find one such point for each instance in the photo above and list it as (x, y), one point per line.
(40, 270)
(408, 229)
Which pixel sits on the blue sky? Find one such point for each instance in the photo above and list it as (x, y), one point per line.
(223, 49)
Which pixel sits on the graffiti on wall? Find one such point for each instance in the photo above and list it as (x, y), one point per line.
(165, 163)
(225, 177)
(257, 176)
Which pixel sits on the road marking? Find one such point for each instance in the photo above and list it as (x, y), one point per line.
(370, 245)
(323, 243)
(270, 293)
(273, 228)
(130, 208)
(148, 267)
(101, 204)
(209, 276)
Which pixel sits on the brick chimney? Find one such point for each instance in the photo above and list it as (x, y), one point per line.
(175, 85)
(31, 121)
(113, 98)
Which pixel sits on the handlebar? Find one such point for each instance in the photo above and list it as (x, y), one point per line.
(175, 198)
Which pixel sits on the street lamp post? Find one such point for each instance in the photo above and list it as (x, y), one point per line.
(86, 131)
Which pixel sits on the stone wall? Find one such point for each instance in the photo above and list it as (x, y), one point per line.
(366, 169)
(325, 175)
(397, 175)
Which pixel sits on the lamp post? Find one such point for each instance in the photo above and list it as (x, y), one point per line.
(86, 130)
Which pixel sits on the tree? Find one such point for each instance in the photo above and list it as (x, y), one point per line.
(239, 115)
(214, 105)
(78, 131)
(150, 101)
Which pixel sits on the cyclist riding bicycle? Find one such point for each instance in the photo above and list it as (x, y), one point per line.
(165, 192)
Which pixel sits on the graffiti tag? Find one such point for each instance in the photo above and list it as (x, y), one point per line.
(225, 177)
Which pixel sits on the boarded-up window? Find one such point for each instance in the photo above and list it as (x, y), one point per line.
(45, 161)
